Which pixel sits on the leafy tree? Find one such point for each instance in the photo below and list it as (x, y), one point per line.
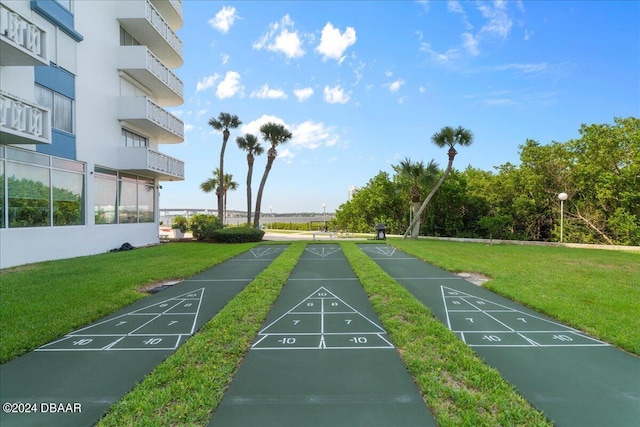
(377, 202)
(275, 134)
(446, 137)
(224, 122)
(250, 144)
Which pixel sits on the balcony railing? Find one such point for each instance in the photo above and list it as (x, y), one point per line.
(171, 10)
(22, 122)
(146, 24)
(21, 42)
(145, 161)
(153, 119)
(141, 64)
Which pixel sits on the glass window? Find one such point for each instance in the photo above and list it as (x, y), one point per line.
(68, 198)
(60, 106)
(28, 195)
(131, 139)
(105, 196)
(146, 208)
(128, 206)
(127, 39)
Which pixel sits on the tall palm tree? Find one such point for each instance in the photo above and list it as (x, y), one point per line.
(446, 137)
(250, 144)
(224, 122)
(213, 184)
(416, 175)
(275, 134)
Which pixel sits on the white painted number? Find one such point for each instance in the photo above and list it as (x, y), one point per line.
(522, 319)
(153, 341)
(309, 304)
(562, 338)
(359, 340)
(188, 304)
(322, 294)
(84, 341)
(295, 322)
(122, 322)
(491, 338)
(287, 341)
(173, 322)
(334, 304)
(348, 321)
(455, 302)
(470, 319)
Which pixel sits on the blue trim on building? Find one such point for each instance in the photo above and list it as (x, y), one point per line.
(58, 15)
(56, 79)
(63, 144)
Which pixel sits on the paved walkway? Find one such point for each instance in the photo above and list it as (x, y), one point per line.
(90, 369)
(574, 379)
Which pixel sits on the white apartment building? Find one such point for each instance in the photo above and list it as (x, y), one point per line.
(83, 86)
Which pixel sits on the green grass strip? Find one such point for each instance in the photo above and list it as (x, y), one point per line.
(41, 302)
(596, 291)
(457, 385)
(186, 388)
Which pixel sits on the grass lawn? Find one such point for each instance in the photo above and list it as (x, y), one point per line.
(598, 291)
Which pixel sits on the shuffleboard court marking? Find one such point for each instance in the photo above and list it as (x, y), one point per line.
(380, 250)
(260, 252)
(482, 323)
(322, 251)
(322, 321)
(160, 326)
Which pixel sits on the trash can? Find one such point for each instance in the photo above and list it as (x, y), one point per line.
(380, 232)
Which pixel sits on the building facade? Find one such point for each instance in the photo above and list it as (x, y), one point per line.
(83, 86)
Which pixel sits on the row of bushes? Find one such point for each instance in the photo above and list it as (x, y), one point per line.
(208, 228)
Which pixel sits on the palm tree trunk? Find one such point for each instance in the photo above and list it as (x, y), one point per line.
(416, 217)
(220, 192)
(270, 159)
(249, 174)
(416, 229)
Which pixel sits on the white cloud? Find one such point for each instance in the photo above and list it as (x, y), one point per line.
(280, 39)
(395, 85)
(265, 92)
(454, 6)
(447, 56)
(333, 44)
(229, 86)
(498, 21)
(285, 155)
(335, 95)
(224, 57)
(303, 94)
(470, 43)
(207, 82)
(224, 19)
(253, 127)
(311, 135)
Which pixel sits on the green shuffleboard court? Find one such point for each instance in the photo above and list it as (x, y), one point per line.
(322, 358)
(574, 379)
(74, 380)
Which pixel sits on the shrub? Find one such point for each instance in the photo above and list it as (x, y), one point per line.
(203, 226)
(237, 235)
(180, 223)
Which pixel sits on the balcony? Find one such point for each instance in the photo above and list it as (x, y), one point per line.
(148, 27)
(145, 114)
(171, 10)
(146, 68)
(21, 42)
(144, 161)
(22, 122)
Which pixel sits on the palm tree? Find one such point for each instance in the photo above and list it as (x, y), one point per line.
(276, 135)
(224, 122)
(229, 184)
(212, 184)
(447, 137)
(416, 175)
(250, 144)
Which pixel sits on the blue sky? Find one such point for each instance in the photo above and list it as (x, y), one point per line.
(364, 84)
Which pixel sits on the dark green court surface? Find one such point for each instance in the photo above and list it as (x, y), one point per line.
(322, 358)
(574, 379)
(74, 381)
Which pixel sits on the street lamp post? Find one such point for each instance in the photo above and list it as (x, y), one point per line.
(324, 215)
(562, 197)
